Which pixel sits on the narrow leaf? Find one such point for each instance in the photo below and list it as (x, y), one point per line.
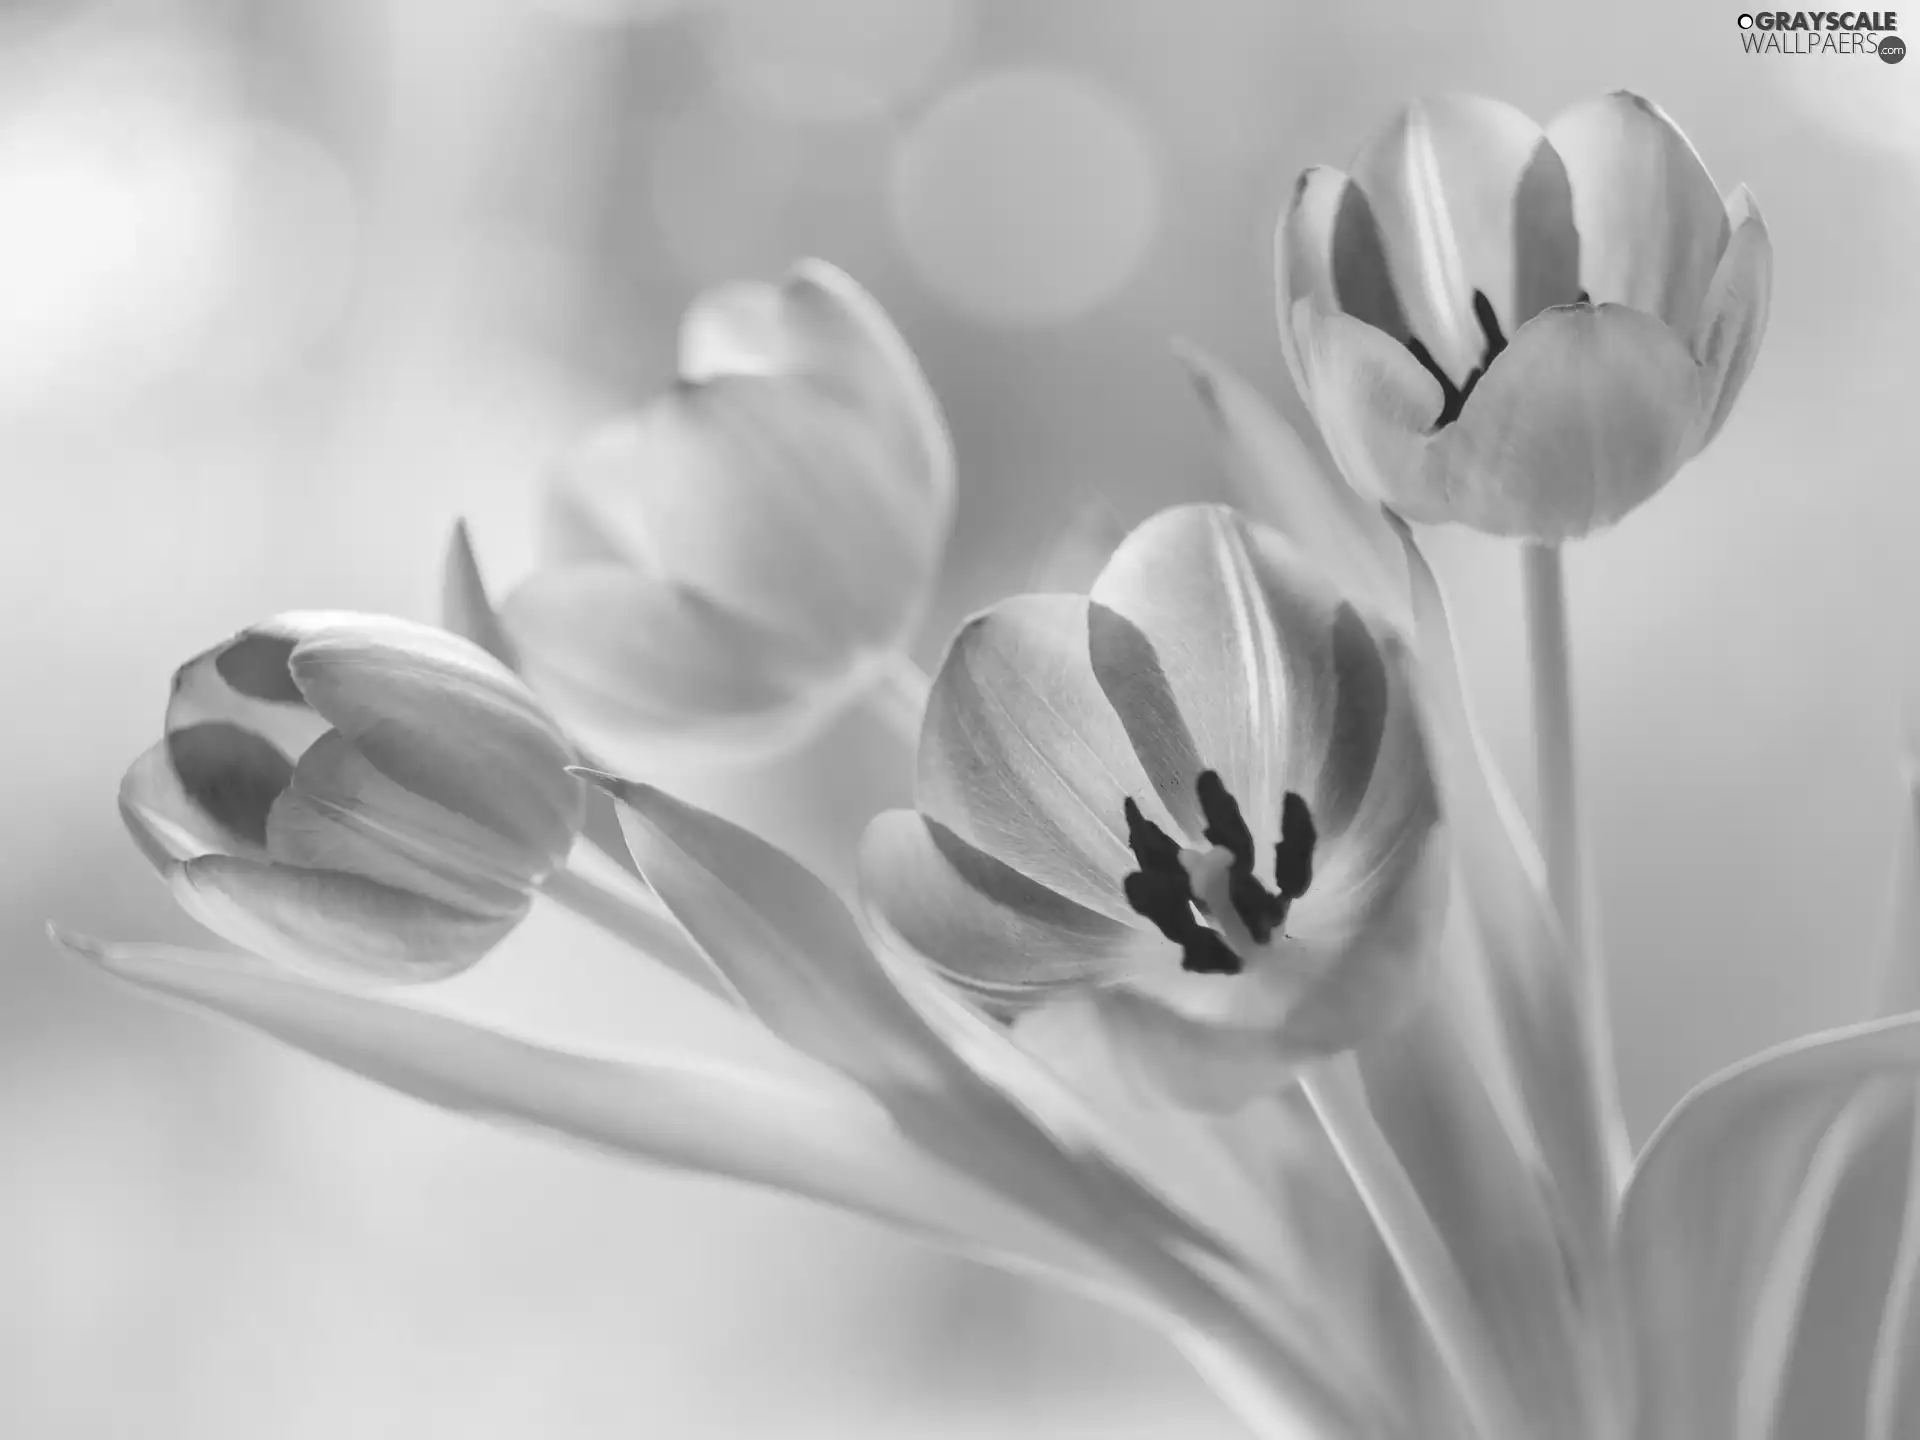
(1706, 1210)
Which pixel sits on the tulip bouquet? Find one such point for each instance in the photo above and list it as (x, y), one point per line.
(1213, 972)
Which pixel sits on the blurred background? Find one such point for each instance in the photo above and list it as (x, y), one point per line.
(286, 285)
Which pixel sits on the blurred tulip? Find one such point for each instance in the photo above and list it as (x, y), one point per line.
(1201, 794)
(744, 554)
(354, 794)
(1523, 330)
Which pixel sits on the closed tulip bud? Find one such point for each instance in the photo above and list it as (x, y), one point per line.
(742, 555)
(354, 795)
(1524, 330)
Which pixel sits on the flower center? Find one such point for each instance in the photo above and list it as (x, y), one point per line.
(1211, 904)
(1453, 398)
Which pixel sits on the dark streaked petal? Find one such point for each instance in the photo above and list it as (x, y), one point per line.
(1585, 415)
(1023, 757)
(230, 775)
(334, 925)
(1652, 225)
(988, 927)
(1442, 177)
(1185, 581)
(1546, 245)
(1362, 277)
(1733, 316)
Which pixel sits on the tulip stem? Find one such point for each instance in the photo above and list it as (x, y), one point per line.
(897, 697)
(628, 911)
(1561, 839)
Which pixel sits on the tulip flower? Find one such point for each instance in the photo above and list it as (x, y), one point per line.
(352, 794)
(1525, 330)
(1201, 793)
(737, 559)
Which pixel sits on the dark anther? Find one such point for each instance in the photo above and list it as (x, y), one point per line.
(1162, 891)
(1221, 811)
(1293, 856)
(1453, 398)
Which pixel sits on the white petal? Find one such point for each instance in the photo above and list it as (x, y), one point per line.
(820, 322)
(441, 717)
(1733, 317)
(1584, 416)
(1652, 225)
(218, 806)
(1527, 965)
(334, 925)
(631, 661)
(1003, 936)
(820, 1137)
(1376, 406)
(1703, 1214)
(341, 813)
(771, 496)
(1022, 757)
(1303, 259)
(1442, 178)
(1279, 482)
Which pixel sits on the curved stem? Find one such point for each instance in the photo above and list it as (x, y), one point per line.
(897, 697)
(629, 912)
(1562, 841)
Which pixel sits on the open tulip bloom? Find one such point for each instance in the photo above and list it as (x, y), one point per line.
(1211, 974)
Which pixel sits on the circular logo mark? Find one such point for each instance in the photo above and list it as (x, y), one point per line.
(1746, 22)
(1893, 49)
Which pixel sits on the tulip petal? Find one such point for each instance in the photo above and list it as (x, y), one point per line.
(768, 492)
(1733, 316)
(444, 719)
(1546, 246)
(1303, 259)
(205, 788)
(1376, 406)
(1703, 1215)
(1584, 415)
(821, 322)
(1252, 667)
(1022, 757)
(341, 813)
(335, 925)
(814, 1136)
(1279, 483)
(1652, 225)
(990, 929)
(1527, 966)
(1442, 177)
(202, 693)
(630, 661)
